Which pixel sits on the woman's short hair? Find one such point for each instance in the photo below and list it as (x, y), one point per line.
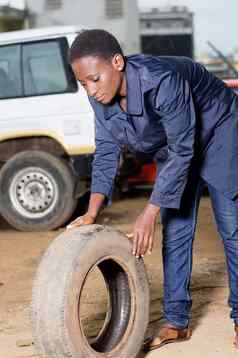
(96, 42)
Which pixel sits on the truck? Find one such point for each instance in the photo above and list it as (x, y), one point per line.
(167, 31)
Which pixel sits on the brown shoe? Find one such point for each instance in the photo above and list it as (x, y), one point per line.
(236, 337)
(167, 334)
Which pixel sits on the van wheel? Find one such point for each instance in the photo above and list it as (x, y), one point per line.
(36, 191)
(57, 296)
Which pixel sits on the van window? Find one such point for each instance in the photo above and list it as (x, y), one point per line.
(10, 71)
(43, 68)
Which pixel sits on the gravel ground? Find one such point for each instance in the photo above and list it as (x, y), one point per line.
(212, 329)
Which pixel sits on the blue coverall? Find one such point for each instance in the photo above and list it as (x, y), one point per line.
(187, 119)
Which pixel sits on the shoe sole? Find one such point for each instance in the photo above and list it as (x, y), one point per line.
(168, 341)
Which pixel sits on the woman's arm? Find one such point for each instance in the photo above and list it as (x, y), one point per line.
(105, 164)
(175, 106)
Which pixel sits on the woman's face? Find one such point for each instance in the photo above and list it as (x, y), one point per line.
(102, 79)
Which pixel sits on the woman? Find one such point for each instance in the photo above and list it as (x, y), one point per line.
(186, 118)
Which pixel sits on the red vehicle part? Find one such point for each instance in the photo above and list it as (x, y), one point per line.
(146, 175)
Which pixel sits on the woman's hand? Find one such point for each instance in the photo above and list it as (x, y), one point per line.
(144, 231)
(95, 203)
(85, 219)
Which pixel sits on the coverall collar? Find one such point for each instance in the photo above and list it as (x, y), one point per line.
(133, 85)
(134, 95)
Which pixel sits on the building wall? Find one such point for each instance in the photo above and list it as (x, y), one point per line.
(11, 19)
(121, 17)
(167, 31)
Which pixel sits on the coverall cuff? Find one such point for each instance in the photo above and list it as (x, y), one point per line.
(165, 201)
(100, 190)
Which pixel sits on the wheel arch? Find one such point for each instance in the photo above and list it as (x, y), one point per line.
(10, 146)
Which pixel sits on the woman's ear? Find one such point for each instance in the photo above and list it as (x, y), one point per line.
(118, 62)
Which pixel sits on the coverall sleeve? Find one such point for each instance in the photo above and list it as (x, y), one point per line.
(105, 162)
(175, 106)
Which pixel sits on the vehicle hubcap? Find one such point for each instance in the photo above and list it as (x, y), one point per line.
(33, 192)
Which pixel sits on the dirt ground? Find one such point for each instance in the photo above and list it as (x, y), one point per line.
(212, 328)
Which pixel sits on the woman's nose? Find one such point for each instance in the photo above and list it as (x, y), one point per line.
(92, 90)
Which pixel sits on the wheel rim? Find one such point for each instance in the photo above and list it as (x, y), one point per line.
(33, 192)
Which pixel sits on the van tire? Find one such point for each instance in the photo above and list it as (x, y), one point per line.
(36, 191)
(57, 289)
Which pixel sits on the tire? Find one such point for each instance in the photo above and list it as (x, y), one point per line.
(57, 290)
(36, 191)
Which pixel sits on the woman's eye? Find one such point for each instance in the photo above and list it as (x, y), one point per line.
(96, 79)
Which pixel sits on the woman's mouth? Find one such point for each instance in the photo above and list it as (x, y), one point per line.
(100, 98)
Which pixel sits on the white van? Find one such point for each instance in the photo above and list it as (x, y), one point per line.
(46, 126)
